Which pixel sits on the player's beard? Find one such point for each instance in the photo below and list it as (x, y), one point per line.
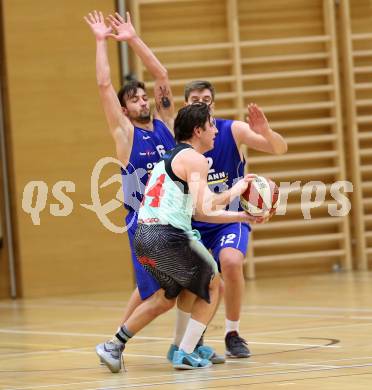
(144, 116)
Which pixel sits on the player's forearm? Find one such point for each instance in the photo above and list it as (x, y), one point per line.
(221, 200)
(102, 64)
(212, 204)
(277, 142)
(215, 204)
(226, 197)
(148, 58)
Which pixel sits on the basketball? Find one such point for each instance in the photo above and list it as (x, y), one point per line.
(261, 198)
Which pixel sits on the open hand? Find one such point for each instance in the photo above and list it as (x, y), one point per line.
(257, 120)
(124, 29)
(96, 22)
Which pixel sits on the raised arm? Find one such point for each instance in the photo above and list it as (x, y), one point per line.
(257, 134)
(120, 127)
(162, 91)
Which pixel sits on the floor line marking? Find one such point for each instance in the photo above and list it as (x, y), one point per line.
(196, 379)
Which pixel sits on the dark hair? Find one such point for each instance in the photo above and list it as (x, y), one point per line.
(188, 118)
(198, 85)
(128, 90)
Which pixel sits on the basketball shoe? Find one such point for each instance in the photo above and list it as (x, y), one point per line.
(110, 354)
(189, 361)
(236, 346)
(204, 351)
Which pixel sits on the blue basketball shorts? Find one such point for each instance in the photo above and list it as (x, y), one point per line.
(146, 283)
(231, 235)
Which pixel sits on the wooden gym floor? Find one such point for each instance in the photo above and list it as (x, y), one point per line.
(312, 332)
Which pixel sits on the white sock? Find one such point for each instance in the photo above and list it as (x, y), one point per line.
(192, 335)
(231, 326)
(182, 319)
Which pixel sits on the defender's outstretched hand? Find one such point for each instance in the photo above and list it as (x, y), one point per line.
(257, 120)
(96, 22)
(124, 29)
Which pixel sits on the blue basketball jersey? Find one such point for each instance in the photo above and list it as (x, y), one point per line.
(225, 166)
(148, 148)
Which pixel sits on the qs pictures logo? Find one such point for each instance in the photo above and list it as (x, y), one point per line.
(313, 195)
(35, 196)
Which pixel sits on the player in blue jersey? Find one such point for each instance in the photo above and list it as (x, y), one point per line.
(229, 242)
(140, 142)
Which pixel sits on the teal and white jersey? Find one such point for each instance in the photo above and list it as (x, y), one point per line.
(167, 200)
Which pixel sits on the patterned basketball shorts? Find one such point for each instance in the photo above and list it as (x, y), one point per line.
(175, 260)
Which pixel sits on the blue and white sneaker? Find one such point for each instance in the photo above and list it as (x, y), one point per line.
(206, 352)
(203, 351)
(189, 361)
(110, 354)
(172, 349)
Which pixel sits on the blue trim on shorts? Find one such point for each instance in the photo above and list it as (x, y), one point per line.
(232, 235)
(147, 285)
